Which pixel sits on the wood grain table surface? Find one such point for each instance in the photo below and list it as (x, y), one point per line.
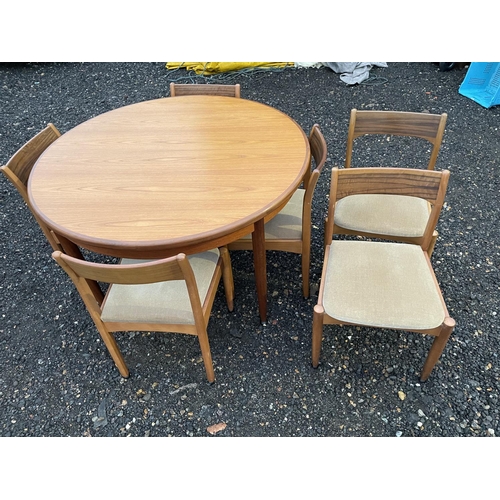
(178, 174)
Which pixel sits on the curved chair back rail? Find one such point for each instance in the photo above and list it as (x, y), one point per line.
(18, 170)
(180, 89)
(426, 126)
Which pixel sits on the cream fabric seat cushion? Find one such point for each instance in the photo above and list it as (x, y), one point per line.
(287, 225)
(392, 215)
(163, 302)
(387, 285)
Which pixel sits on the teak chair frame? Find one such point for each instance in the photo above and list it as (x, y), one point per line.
(172, 268)
(427, 184)
(180, 89)
(303, 245)
(427, 126)
(18, 170)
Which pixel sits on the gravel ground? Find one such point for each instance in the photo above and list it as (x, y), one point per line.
(57, 379)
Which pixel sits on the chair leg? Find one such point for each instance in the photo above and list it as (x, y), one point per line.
(114, 351)
(437, 348)
(227, 277)
(432, 244)
(306, 259)
(317, 333)
(206, 354)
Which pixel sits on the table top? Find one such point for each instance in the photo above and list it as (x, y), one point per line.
(159, 176)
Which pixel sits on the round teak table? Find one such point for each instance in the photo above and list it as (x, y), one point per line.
(179, 174)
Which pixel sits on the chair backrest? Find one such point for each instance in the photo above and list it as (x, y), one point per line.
(419, 125)
(429, 185)
(318, 147)
(18, 170)
(177, 89)
(172, 268)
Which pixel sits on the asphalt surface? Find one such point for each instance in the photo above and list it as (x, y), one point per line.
(57, 378)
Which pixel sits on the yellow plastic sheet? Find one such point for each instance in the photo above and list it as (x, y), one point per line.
(211, 68)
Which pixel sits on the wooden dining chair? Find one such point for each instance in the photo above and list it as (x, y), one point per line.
(18, 170)
(290, 229)
(383, 284)
(371, 217)
(179, 89)
(175, 294)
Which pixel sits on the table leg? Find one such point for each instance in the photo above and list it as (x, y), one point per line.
(259, 262)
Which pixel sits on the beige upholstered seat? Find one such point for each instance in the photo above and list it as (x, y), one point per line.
(164, 302)
(384, 285)
(388, 285)
(175, 294)
(368, 216)
(179, 89)
(287, 225)
(290, 229)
